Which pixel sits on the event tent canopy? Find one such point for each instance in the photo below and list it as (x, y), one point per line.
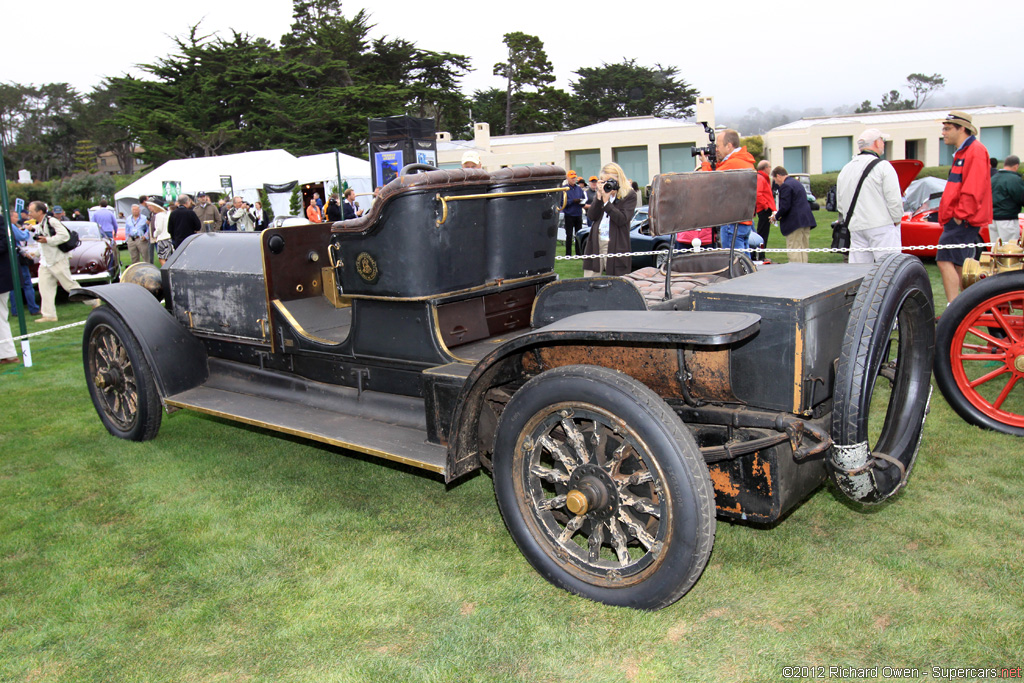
(249, 172)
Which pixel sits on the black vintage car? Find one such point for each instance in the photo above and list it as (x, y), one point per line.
(434, 332)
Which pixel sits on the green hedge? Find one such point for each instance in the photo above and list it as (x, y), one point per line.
(822, 181)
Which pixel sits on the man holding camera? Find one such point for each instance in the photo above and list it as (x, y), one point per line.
(731, 156)
(874, 220)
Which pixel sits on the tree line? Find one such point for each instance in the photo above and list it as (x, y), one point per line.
(312, 92)
(315, 90)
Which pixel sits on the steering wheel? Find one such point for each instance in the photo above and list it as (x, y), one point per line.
(409, 168)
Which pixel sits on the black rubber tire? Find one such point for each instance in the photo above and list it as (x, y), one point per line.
(660, 256)
(661, 446)
(945, 376)
(119, 378)
(895, 295)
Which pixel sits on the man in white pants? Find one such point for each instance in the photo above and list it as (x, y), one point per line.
(879, 209)
(53, 263)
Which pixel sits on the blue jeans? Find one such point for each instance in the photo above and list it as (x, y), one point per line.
(742, 232)
(29, 292)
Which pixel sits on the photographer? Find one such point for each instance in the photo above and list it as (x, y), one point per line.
(610, 213)
(239, 216)
(731, 156)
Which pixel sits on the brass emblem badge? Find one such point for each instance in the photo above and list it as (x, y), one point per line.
(366, 266)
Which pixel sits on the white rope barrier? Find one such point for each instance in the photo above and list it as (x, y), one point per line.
(52, 329)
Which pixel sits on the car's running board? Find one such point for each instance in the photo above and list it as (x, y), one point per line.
(369, 422)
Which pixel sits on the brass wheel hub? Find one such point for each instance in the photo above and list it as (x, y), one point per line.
(591, 492)
(1018, 363)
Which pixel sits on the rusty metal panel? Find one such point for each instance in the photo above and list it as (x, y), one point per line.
(709, 377)
(690, 201)
(655, 366)
(764, 485)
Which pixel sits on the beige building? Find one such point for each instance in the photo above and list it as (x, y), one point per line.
(824, 144)
(643, 145)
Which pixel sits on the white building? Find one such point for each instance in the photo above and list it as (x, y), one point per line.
(643, 145)
(823, 144)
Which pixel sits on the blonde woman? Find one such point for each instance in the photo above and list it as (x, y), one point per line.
(610, 214)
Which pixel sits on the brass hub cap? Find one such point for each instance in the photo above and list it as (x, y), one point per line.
(1018, 363)
(592, 491)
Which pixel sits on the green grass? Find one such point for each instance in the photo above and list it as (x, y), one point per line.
(223, 553)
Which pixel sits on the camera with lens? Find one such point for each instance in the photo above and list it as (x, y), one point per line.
(709, 150)
(611, 185)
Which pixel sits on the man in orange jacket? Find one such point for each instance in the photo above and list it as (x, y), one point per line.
(731, 156)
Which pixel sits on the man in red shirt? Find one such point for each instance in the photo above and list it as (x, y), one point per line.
(967, 200)
(765, 204)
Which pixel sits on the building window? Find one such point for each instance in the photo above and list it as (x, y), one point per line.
(835, 153)
(677, 158)
(633, 161)
(586, 162)
(794, 159)
(997, 141)
(945, 153)
(913, 149)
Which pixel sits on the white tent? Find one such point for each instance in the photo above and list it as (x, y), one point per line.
(249, 172)
(323, 168)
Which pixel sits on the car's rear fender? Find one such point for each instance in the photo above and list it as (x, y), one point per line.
(178, 359)
(643, 344)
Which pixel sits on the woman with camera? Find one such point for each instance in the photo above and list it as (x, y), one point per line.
(610, 214)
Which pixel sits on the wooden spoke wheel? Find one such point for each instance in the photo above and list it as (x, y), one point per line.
(603, 488)
(979, 364)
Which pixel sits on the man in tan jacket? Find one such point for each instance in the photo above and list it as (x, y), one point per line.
(209, 214)
(53, 263)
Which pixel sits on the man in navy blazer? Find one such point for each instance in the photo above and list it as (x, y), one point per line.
(793, 214)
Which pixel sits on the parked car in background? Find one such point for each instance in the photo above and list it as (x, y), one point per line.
(920, 225)
(640, 239)
(287, 221)
(93, 261)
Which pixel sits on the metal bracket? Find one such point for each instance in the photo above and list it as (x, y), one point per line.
(359, 374)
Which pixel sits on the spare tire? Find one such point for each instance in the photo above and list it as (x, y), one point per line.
(887, 356)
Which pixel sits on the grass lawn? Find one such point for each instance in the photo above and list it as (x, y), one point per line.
(219, 552)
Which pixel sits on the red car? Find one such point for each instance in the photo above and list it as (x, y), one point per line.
(920, 227)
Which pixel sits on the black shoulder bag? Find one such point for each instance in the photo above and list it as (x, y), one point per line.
(73, 239)
(841, 227)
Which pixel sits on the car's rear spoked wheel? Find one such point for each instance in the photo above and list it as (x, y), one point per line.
(987, 358)
(587, 489)
(603, 488)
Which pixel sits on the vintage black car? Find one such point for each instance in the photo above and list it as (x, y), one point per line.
(434, 332)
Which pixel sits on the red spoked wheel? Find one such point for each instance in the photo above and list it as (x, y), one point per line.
(980, 354)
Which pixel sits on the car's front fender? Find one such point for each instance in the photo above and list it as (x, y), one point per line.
(178, 359)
